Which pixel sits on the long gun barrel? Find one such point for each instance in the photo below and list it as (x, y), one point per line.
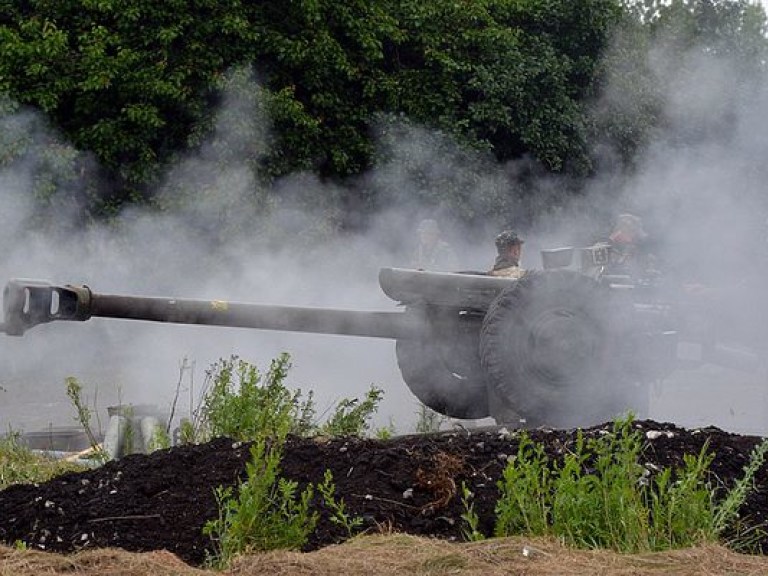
(28, 303)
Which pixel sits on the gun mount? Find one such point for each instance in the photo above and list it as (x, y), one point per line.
(558, 347)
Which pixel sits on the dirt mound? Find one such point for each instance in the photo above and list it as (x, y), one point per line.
(406, 485)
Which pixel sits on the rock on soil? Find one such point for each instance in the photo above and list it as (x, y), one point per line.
(406, 484)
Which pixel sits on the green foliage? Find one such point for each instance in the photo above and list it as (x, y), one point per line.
(20, 545)
(510, 75)
(727, 513)
(599, 496)
(339, 515)
(659, 44)
(160, 439)
(721, 27)
(129, 440)
(188, 432)
(351, 416)
(137, 85)
(267, 513)
(525, 501)
(469, 516)
(322, 60)
(385, 432)
(118, 79)
(134, 83)
(83, 416)
(682, 512)
(427, 420)
(19, 465)
(241, 403)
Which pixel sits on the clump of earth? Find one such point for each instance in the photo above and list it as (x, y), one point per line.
(409, 484)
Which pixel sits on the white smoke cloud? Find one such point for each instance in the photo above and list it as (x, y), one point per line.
(700, 188)
(225, 236)
(221, 236)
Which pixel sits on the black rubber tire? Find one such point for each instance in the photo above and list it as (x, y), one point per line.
(549, 348)
(442, 367)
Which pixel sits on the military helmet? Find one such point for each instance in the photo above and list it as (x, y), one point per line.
(507, 238)
(630, 224)
(429, 225)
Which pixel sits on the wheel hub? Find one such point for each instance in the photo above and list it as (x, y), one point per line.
(561, 346)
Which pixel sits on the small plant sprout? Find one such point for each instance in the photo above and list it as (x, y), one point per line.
(427, 420)
(83, 416)
(471, 520)
(160, 439)
(385, 432)
(338, 510)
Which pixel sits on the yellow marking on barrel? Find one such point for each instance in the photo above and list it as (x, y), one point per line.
(220, 305)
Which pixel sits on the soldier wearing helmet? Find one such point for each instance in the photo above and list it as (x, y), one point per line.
(629, 247)
(509, 248)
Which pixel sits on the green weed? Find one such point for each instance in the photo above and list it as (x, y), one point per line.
(160, 439)
(267, 513)
(20, 545)
(339, 515)
(241, 403)
(187, 432)
(428, 421)
(351, 417)
(727, 514)
(729, 508)
(599, 496)
(84, 416)
(525, 501)
(471, 530)
(385, 432)
(20, 465)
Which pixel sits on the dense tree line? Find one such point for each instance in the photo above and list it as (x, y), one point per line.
(135, 83)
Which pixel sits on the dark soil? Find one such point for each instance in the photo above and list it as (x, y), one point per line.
(409, 484)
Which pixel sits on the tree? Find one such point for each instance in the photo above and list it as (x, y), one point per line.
(124, 80)
(136, 83)
(660, 44)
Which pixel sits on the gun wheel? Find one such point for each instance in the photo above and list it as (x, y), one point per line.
(548, 348)
(442, 367)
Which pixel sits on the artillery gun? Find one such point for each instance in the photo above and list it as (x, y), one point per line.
(564, 346)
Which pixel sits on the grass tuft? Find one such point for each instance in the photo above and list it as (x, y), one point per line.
(599, 495)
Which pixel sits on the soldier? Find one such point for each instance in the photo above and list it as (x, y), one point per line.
(629, 244)
(432, 252)
(509, 247)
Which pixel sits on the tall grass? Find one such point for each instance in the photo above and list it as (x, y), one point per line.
(598, 495)
(20, 465)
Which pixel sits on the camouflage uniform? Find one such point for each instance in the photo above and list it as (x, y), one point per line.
(438, 257)
(507, 265)
(630, 253)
